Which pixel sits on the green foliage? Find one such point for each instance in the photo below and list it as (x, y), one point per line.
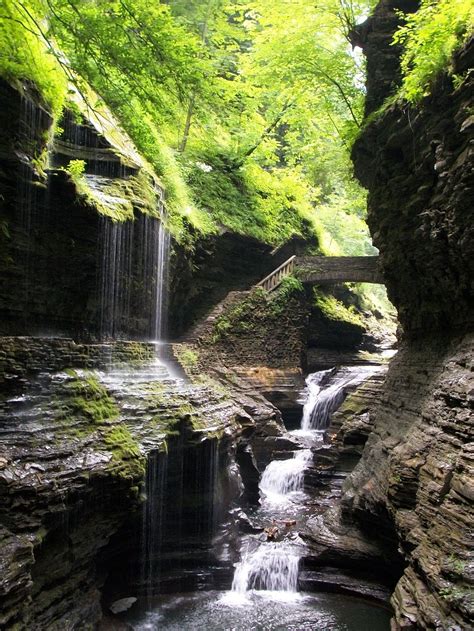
(270, 205)
(430, 36)
(457, 564)
(333, 309)
(290, 286)
(374, 298)
(265, 92)
(26, 55)
(76, 169)
(144, 132)
(187, 357)
(453, 594)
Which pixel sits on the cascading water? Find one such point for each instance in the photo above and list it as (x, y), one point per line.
(272, 567)
(27, 193)
(152, 521)
(284, 477)
(264, 592)
(326, 392)
(134, 267)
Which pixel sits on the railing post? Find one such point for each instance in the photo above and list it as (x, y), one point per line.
(270, 282)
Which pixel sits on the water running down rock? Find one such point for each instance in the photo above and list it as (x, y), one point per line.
(327, 389)
(273, 565)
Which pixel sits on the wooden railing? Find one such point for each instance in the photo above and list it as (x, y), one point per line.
(272, 281)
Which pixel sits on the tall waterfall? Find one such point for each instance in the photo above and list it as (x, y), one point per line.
(152, 521)
(30, 128)
(133, 277)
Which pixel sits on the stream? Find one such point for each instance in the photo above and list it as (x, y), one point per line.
(264, 594)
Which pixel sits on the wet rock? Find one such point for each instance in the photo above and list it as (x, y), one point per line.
(75, 442)
(413, 485)
(122, 605)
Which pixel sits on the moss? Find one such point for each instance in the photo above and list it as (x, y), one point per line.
(137, 352)
(89, 399)
(127, 459)
(187, 357)
(155, 388)
(334, 310)
(121, 441)
(110, 204)
(40, 535)
(120, 197)
(353, 406)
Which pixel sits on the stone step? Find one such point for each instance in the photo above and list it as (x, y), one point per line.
(206, 324)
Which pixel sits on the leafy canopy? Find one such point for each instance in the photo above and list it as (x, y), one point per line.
(24, 52)
(245, 109)
(430, 36)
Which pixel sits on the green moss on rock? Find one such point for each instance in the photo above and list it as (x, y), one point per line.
(90, 399)
(334, 310)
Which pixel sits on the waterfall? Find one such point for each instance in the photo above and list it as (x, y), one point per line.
(159, 319)
(314, 385)
(152, 521)
(326, 392)
(115, 286)
(133, 276)
(271, 566)
(30, 131)
(283, 477)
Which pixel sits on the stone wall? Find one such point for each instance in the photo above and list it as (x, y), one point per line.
(72, 251)
(258, 329)
(284, 329)
(415, 479)
(76, 447)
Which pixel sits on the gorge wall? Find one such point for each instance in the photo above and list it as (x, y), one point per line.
(415, 479)
(78, 249)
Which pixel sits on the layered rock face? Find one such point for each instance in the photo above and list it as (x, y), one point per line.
(83, 441)
(60, 235)
(415, 479)
(417, 163)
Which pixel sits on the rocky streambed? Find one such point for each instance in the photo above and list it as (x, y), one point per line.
(78, 425)
(121, 477)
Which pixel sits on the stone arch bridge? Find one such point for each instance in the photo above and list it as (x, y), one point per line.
(326, 270)
(311, 270)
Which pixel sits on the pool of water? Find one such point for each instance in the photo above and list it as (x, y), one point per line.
(260, 611)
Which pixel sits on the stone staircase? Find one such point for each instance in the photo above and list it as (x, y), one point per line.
(204, 327)
(312, 270)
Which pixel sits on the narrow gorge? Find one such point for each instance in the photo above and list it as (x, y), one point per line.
(223, 403)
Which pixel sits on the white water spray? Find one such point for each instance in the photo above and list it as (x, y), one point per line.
(271, 567)
(284, 477)
(326, 392)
